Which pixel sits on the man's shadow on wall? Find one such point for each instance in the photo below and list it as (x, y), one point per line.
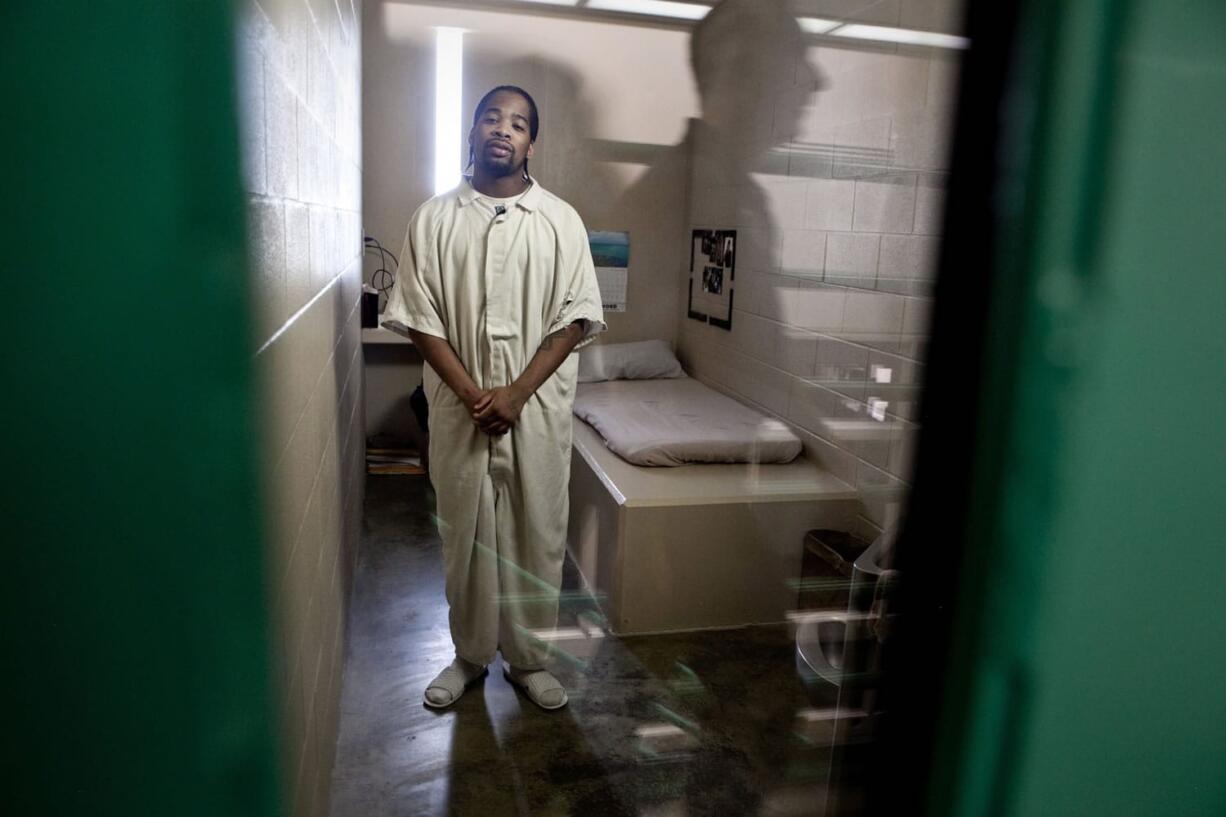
(750, 66)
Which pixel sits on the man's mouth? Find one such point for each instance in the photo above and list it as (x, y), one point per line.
(500, 149)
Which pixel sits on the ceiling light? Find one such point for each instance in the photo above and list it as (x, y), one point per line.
(653, 8)
(901, 35)
(816, 25)
(448, 118)
(553, 2)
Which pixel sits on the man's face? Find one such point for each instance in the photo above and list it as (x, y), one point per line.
(501, 140)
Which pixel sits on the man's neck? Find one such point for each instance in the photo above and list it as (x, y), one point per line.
(499, 187)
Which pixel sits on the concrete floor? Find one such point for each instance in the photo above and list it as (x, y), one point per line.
(709, 723)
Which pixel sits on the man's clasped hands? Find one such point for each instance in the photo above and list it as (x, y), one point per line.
(495, 410)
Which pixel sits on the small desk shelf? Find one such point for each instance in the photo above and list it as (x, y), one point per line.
(381, 336)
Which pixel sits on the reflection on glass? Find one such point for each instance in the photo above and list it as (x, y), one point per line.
(722, 614)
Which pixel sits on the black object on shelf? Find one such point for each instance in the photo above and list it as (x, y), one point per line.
(370, 309)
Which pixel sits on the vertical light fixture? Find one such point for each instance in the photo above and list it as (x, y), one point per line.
(448, 89)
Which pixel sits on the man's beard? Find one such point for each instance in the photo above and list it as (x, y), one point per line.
(498, 168)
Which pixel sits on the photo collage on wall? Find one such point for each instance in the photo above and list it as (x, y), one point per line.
(712, 274)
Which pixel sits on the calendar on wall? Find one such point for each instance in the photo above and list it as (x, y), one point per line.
(611, 257)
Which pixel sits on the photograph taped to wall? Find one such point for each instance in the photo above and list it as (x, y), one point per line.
(611, 257)
(712, 275)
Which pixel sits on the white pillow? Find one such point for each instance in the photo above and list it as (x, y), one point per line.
(641, 360)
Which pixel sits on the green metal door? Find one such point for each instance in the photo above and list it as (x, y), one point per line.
(1085, 669)
(133, 591)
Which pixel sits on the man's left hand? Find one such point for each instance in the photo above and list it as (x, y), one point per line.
(498, 409)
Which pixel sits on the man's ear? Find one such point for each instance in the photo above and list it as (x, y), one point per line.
(531, 145)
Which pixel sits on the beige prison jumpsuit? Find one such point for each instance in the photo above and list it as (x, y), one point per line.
(494, 286)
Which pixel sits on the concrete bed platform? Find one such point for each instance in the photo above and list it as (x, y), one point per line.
(695, 546)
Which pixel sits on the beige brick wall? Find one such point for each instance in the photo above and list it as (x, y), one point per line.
(299, 75)
(837, 227)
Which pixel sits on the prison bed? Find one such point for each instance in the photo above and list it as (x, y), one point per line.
(673, 421)
(697, 545)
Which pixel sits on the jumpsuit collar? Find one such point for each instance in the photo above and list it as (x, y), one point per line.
(529, 201)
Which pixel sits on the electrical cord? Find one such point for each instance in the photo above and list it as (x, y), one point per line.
(382, 279)
(371, 240)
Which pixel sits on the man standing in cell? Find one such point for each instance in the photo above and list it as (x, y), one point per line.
(498, 288)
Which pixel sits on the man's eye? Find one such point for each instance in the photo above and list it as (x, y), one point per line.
(519, 127)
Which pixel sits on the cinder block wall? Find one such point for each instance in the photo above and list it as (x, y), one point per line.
(838, 228)
(299, 75)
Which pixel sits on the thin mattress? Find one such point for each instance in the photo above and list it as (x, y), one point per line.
(679, 420)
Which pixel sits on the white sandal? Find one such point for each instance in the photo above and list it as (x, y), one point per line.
(539, 686)
(453, 681)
